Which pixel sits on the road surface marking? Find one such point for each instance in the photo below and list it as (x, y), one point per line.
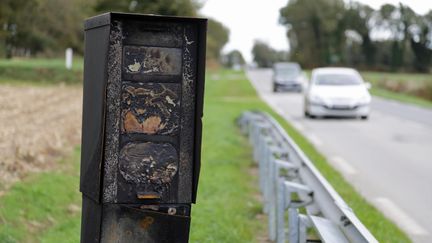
(314, 139)
(343, 165)
(279, 110)
(298, 126)
(391, 210)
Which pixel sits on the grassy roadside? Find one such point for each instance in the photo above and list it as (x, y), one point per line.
(40, 72)
(383, 229)
(404, 98)
(43, 207)
(411, 88)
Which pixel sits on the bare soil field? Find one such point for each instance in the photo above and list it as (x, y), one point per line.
(38, 125)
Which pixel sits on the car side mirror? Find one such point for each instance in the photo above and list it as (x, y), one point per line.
(368, 85)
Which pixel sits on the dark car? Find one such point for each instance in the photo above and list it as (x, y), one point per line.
(288, 76)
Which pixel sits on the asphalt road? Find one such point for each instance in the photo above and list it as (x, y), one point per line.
(387, 158)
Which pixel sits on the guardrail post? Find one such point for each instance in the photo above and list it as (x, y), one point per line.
(278, 188)
(298, 225)
(293, 225)
(272, 197)
(280, 210)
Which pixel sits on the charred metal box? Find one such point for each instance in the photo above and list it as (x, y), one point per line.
(141, 133)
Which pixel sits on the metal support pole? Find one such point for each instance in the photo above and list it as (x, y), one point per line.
(272, 198)
(298, 226)
(305, 224)
(280, 210)
(293, 225)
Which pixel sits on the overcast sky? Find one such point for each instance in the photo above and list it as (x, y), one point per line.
(258, 19)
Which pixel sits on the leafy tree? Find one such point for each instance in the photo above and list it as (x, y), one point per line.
(358, 17)
(33, 26)
(163, 7)
(234, 58)
(217, 37)
(218, 34)
(324, 32)
(421, 43)
(315, 30)
(49, 26)
(399, 20)
(266, 56)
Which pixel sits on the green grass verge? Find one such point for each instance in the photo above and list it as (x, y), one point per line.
(227, 205)
(39, 71)
(238, 92)
(401, 97)
(43, 207)
(410, 86)
(227, 209)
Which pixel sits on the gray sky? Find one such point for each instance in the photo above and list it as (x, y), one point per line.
(257, 19)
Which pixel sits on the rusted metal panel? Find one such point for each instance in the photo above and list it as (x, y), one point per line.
(151, 108)
(149, 128)
(153, 32)
(143, 60)
(188, 109)
(149, 168)
(137, 223)
(113, 108)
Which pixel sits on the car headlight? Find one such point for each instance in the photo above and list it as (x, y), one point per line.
(316, 100)
(278, 80)
(364, 100)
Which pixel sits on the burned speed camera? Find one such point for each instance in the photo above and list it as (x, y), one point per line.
(141, 134)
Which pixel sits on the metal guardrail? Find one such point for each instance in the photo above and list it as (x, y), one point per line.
(291, 183)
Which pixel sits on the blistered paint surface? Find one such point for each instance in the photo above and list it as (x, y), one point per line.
(151, 108)
(152, 60)
(113, 119)
(150, 166)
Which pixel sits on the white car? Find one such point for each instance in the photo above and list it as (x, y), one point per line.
(337, 92)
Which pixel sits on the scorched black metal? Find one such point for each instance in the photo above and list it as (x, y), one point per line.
(141, 133)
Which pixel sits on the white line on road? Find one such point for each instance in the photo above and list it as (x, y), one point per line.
(279, 111)
(391, 210)
(298, 126)
(343, 165)
(314, 139)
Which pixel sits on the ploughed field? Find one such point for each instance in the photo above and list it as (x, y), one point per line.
(39, 124)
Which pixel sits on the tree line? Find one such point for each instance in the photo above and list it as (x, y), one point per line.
(332, 32)
(47, 27)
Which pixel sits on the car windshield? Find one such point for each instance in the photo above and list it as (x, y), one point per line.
(288, 71)
(337, 79)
